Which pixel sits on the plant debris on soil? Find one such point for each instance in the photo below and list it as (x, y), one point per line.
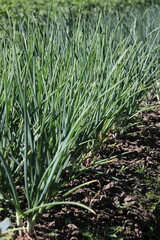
(127, 197)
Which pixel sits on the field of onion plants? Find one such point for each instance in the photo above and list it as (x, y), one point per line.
(68, 80)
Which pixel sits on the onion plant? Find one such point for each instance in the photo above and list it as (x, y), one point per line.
(65, 81)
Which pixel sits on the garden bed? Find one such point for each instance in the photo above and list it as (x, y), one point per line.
(79, 157)
(126, 199)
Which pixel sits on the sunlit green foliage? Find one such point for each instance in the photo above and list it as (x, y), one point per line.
(66, 80)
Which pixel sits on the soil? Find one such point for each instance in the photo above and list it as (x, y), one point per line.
(126, 197)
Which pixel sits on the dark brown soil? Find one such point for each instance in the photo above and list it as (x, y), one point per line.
(127, 197)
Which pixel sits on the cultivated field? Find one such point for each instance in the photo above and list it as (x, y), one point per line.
(79, 114)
